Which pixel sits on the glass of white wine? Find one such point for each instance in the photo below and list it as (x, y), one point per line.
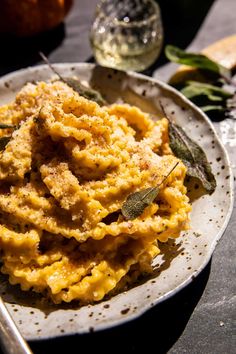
(127, 34)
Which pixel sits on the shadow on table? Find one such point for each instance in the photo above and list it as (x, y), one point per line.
(17, 53)
(156, 331)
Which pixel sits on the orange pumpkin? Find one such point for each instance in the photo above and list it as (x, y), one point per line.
(30, 17)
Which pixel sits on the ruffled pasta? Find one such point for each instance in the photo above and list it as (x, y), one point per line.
(65, 175)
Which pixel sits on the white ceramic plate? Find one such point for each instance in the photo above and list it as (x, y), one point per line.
(184, 258)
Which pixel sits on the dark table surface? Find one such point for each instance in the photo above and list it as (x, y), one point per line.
(202, 317)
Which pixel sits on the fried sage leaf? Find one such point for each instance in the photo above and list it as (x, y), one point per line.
(4, 140)
(84, 91)
(138, 201)
(6, 126)
(76, 85)
(198, 61)
(192, 156)
(213, 93)
(210, 108)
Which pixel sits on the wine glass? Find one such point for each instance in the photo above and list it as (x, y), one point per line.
(127, 34)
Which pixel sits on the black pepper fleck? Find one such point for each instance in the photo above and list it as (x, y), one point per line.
(125, 311)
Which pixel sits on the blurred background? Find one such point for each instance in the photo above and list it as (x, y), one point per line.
(199, 319)
(61, 29)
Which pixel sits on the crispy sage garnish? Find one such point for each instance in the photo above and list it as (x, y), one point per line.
(4, 140)
(208, 97)
(195, 60)
(84, 91)
(76, 85)
(6, 126)
(138, 201)
(191, 154)
(213, 93)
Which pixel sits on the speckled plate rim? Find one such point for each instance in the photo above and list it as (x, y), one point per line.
(162, 85)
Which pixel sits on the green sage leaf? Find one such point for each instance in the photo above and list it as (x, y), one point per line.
(4, 140)
(210, 108)
(76, 85)
(84, 91)
(6, 126)
(198, 61)
(138, 201)
(213, 93)
(192, 156)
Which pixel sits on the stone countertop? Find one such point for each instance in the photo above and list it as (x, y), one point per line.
(202, 317)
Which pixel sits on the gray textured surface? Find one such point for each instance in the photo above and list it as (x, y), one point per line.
(202, 317)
